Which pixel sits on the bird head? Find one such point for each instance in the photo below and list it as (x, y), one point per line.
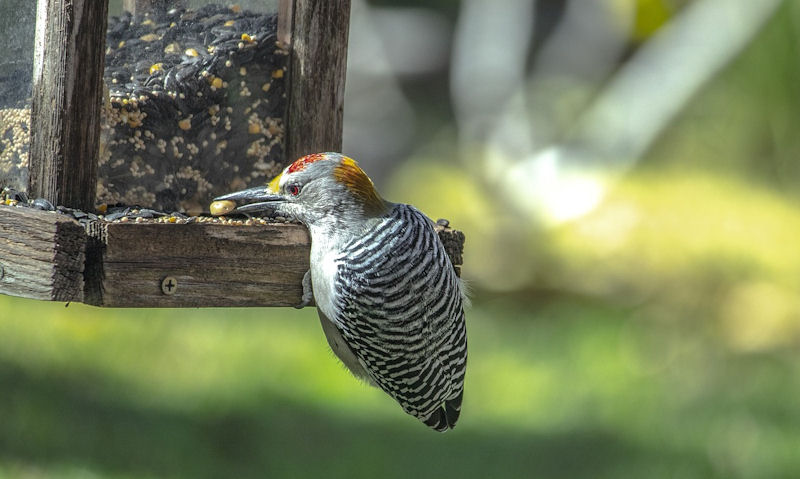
(322, 187)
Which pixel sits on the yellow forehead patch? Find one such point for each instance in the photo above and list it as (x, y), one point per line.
(275, 184)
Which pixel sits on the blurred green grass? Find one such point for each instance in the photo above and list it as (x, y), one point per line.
(569, 388)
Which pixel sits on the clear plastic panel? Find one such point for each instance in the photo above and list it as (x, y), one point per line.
(17, 30)
(195, 102)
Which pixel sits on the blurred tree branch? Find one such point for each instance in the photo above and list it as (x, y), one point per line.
(557, 169)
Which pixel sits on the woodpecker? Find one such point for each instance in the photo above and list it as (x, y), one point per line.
(387, 295)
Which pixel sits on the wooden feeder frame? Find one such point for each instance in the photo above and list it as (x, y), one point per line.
(49, 256)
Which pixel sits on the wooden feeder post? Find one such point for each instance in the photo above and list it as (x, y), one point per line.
(42, 255)
(69, 58)
(316, 32)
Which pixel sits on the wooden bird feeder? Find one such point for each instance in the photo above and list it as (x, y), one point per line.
(50, 256)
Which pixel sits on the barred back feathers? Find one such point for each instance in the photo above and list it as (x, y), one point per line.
(401, 312)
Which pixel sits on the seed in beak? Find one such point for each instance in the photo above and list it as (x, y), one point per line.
(222, 207)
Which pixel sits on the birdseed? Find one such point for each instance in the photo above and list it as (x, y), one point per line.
(133, 214)
(192, 109)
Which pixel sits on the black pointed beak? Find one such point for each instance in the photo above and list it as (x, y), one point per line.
(255, 200)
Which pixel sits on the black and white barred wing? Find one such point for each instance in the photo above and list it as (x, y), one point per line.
(401, 313)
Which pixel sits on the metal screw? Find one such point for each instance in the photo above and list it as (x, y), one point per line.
(169, 285)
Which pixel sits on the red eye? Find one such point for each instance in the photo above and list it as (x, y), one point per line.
(294, 190)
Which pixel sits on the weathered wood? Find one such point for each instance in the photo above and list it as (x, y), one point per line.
(211, 264)
(140, 7)
(69, 58)
(318, 58)
(41, 255)
(49, 256)
(453, 241)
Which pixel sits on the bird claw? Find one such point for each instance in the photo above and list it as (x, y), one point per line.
(308, 293)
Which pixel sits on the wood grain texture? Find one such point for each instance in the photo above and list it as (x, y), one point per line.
(317, 63)
(453, 241)
(213, 264)
(41, 255)
(69, 58)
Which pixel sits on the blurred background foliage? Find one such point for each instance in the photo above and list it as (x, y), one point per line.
(643, 321)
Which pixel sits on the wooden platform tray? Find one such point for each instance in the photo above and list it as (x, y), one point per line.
(49, 256)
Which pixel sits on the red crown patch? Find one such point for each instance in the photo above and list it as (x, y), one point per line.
(301, 163)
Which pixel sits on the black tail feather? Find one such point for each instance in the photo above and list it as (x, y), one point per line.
(444, 418)
(452, 409)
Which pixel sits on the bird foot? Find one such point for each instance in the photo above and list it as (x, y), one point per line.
(308, 293)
